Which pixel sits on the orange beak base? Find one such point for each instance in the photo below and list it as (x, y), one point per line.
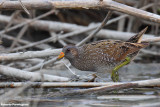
(61, 55)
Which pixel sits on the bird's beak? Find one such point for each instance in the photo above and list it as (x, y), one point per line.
(61, 55)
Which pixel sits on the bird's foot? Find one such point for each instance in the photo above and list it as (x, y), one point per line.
(115, 75)
(83, 78)
(94, 76)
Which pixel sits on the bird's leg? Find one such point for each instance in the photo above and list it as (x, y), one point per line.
(115, 75)
(93, 79)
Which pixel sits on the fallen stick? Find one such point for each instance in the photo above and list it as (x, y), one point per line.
(13, 72)
(29, 54)
(108, 88)
(142, 83)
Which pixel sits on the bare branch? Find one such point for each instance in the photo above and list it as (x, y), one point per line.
(97, 30)
(89, 4)
(38, 66)
(41, 46)
(24, 8)
(9, 71)
(24, 23)
(29, 54)
(142, 83)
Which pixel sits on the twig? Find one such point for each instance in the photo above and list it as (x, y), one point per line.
(49, 52)
(147, 52)
(38, 66)
(2, 2)
(155, 39)
(121, 24)
(130, 24)
(32, 44)
(52, 26)
(69, 68)
(70, 34)
(28, 22)
(41, 46)
(70, 41)
(51, 38)
(99, 87)
(20, 34)
(12, 93)
(97, 30)
(62, 42)
(24, 8)
(11, 21)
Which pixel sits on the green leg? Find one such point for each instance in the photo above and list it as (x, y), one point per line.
(115, 75)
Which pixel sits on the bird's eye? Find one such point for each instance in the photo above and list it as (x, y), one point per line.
(68, 50)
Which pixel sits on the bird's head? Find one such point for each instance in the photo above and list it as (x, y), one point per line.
(69, 52)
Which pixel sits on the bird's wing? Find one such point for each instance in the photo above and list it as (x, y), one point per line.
(114, 49)
(122, 50)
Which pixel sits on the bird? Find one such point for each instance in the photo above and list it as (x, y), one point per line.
(104, 55)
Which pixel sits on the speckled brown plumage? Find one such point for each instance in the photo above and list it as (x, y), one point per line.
(103, 55)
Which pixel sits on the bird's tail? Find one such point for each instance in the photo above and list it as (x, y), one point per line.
(138, 37)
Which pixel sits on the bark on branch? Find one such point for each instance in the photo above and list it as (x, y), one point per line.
(82, 4)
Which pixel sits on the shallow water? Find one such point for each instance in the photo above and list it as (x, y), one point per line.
(135, 97)
(94, 102)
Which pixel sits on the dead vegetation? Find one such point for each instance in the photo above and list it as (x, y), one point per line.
(33, 33)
